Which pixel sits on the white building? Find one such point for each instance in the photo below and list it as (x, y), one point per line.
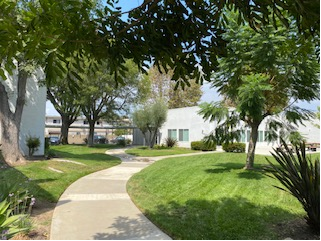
(186, 125)
(79, 130)
(34, 112)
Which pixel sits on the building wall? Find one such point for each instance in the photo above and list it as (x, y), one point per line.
(34, 112)
(188, 119)
(181, 119)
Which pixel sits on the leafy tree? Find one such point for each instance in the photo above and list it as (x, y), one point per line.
(47, 33)
(99, 98)
(121, 132)
(65, 102)
(261, 74)
(149, 119)
(33, 35)
(162, 86)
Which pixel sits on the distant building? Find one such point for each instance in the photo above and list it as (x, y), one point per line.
(186, 125)
(79, 130)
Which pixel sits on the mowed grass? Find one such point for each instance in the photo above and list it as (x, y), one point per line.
(142, 151)
(212, 197)
(46, 184)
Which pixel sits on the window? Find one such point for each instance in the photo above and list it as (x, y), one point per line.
(183, 135)
(55, 121)
(172, 133)
(243, 136)
(261, 136)
(85, 122)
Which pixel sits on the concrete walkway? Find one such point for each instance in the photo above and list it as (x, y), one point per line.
(97, 206)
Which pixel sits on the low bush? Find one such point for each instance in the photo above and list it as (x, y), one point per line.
(234, 147)
(33, 144)
(121, 142)
(201, 146)
(128, 141)
(170, 142)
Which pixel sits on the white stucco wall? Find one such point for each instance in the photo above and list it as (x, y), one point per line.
(187, 118)
(34, 112)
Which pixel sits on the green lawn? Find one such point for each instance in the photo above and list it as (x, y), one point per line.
(48, 185)
(142, 151)
(212, 197)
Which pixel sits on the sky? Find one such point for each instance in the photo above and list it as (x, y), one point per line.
(209, 94)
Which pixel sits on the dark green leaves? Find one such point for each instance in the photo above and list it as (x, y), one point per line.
(299, 176)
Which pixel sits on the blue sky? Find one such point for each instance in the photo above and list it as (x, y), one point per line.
(209, 94)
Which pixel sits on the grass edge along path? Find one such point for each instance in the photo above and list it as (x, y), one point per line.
(212, 197)
(143, 151)
(41, 179)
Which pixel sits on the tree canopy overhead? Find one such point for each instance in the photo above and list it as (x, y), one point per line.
(52, 30)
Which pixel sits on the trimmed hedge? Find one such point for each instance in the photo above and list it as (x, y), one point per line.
(201, 146)
(234, 147)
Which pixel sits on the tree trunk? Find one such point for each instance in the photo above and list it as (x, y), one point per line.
(10, 121)
(64, 129)
(252, 145)
(91, 133)
(153, 138)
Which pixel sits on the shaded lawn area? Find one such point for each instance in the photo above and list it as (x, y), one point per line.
(146, 152)
(212, 197)
(48, 185)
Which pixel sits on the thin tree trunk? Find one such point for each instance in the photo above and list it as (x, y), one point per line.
(153, 138)
(252, 145)
(91, 133)
(10, 121)
(64, 129)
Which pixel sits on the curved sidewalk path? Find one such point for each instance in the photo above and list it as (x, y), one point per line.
(97, 206)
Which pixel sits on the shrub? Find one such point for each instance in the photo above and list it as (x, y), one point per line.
(196, 145)
(170, 142)
(128, 141)
(33, 143)
(301, 178)
(201, 146)
(121, 142)
(234, 147)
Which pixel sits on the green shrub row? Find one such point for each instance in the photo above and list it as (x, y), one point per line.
(234, 147)
(201, 146)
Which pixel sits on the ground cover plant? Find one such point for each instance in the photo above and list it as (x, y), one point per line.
(147, 152)
(212, 197)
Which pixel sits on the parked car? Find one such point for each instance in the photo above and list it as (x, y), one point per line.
(117, 139)
(100, 139)
(54, 140)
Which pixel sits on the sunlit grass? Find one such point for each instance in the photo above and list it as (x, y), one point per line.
(147, 152)
(212, 197)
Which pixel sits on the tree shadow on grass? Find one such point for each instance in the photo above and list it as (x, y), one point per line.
(87, 156)
(229, 166)
(226, 218)
(224, 167)
(14, 177)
